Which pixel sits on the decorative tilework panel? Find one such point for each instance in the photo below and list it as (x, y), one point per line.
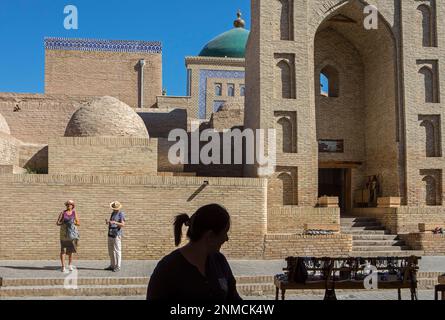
(219, 74)
(103, 45)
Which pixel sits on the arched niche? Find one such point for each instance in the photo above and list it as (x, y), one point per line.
(428, 25)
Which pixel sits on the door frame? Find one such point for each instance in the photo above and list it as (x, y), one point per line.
(347, 166)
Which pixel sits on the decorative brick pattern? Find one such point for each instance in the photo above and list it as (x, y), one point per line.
(103, 45)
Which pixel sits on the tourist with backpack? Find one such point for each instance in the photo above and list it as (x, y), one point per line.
(68, 222)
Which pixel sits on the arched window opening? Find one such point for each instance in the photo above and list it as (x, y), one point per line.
(285, 80)
(428, 26)
(430, 85)
(432, 139)
(329, 82)
(430, 191)
(287, 189)
(218, 89)
(231, 90)
(286, 135)
(324, 85)
(242, 90)
(286, 25)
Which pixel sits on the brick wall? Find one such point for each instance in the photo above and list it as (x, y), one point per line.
(405, 219)
(227, 119)
(150, 203)
(431, 244)
(292, 219)
(164, 164)
(103, 155)
(281, 246)
(103, 74)
(160, 122)
(39, 117)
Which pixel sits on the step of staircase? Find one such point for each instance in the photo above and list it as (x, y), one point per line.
(366, 232)
(380, 248)
(15, 282)
(112, 287)
(389, 253)
(370, 238)
(366, 228)
(357, 219)
(118, 288)
(377, 243)
(360, 224)
(376, 237)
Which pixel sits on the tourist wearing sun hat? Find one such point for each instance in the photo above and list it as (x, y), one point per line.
(115, 225)
(69, 236)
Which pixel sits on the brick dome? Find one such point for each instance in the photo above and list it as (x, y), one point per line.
(4, 128)
(106, 117)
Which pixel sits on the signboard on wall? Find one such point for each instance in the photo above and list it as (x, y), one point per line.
(331, 146)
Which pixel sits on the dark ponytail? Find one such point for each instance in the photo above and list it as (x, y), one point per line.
(212, 217)
(179, 221)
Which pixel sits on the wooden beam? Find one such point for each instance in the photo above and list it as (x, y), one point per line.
(339, 164)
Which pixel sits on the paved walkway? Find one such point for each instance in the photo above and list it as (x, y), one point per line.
(51, 269)
(93, 269)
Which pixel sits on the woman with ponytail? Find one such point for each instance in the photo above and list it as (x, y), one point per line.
(197, 271)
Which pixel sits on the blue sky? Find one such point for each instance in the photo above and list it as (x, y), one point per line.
(183, 27)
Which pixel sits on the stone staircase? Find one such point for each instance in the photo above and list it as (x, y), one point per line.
(371, 239)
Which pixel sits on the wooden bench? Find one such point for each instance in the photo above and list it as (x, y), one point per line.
(343, 277)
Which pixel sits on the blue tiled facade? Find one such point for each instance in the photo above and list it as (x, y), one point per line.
(103, 45)
(208, 74)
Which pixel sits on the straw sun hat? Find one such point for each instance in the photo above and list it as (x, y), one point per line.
(116, 205)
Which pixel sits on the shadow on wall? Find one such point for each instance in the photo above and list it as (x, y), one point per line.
(38, 163)
(159, 124)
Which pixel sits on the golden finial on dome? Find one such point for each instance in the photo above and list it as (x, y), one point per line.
(239, 23)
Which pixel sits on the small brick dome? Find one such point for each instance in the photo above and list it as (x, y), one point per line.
(4, 125)
(106, 117)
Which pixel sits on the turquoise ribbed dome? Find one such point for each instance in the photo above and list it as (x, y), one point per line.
(230, 44)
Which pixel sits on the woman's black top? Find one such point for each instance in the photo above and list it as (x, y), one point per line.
(176, 279)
